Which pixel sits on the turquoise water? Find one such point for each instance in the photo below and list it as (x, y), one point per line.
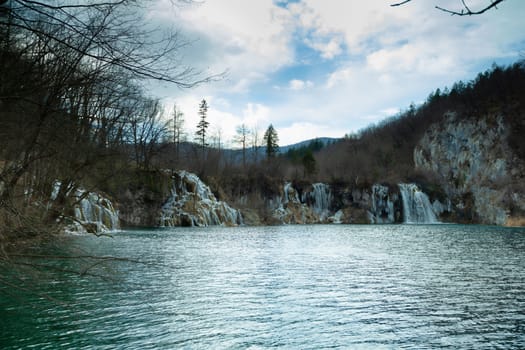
(290, 287)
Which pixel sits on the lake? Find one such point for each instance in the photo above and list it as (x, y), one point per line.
(289, 287)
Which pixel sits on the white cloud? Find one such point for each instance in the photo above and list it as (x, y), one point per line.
(296, 84)
(246, 38)
(329, 49)
(341, 75)
(378, 59)
(256, 115)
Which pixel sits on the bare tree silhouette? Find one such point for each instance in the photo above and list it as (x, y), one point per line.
(464, 11)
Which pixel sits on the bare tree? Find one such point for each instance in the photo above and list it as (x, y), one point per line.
(147, 129)
(116, 33)
(70, 76)
(255, 141)
(241, 138)
(177, 120)
(464, 11)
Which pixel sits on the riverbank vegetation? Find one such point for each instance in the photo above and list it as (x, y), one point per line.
(74, 113)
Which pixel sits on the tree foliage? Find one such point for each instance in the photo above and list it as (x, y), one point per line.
(202, 126)
(271, 141)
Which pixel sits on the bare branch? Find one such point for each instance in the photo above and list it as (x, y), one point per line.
(400, 3)
(115, 34)
(465, 11)
(468, 12)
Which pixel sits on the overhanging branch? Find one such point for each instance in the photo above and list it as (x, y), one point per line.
(465, 11)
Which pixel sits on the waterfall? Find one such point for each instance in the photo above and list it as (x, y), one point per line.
(320, 199)
(416, 205)
(93, 213)
(192, 203)
(312, 206)
(290, 194)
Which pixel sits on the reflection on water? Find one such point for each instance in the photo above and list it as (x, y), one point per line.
(304, 287)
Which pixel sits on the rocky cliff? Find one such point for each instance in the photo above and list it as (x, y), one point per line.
(475, 166)
(472, 174)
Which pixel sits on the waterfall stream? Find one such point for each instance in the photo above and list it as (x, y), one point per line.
(94, 213)
(192, 203)
(416, 205)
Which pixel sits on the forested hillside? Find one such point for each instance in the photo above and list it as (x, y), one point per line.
(385, 152)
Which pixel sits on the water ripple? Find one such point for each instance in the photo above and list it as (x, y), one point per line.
(296, 287)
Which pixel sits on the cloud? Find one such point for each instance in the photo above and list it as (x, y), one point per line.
(328, 49)
(338, 76)
(247, 39)
(296, 84)
(330, 67)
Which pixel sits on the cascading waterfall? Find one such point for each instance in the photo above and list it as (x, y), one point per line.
(192, 203)
(93, 212)
(320, 199)
(290, 194)
(312, 206)
(416, 205)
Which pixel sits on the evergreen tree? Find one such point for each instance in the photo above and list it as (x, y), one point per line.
(309, 164)
(271, 141)
(203, 124)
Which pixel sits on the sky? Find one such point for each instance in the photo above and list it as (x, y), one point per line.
(326, 68)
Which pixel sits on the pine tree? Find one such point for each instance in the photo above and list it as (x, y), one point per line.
(271, 141)
(203, 124)
(309, 164)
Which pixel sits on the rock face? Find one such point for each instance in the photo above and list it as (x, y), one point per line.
(192, 203)
(382, 205)
(140, 207)
(476, 167)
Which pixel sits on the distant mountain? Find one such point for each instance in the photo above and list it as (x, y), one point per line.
(324, 140)
(236, 154)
